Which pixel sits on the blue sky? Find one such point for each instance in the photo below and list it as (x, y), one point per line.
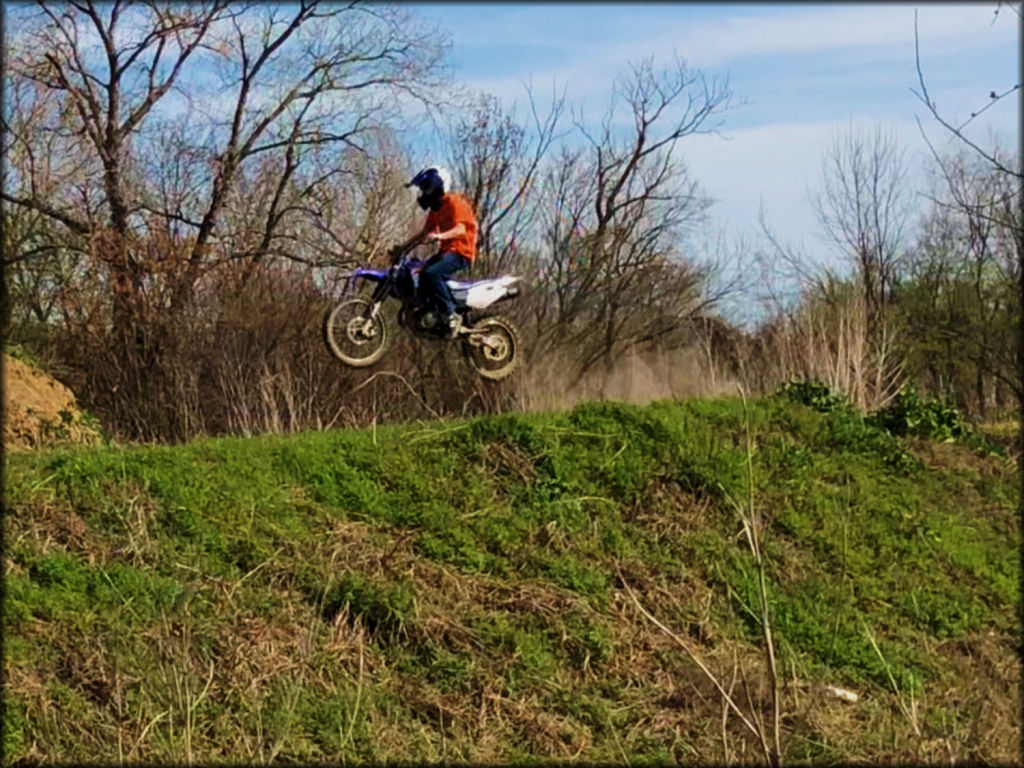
(806, 73)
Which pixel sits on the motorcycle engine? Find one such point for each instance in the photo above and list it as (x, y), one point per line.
(428, 320)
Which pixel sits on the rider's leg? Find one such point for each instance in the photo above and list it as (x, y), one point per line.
(433, 282)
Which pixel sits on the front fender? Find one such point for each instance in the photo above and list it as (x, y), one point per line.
(355, 276)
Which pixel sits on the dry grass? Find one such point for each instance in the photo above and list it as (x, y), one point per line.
(642, 376)
(755, 722)
(988, 725)
(492, 719)
(660, 695)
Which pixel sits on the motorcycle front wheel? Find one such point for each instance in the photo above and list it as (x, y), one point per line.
(354, 335)
(492, 348)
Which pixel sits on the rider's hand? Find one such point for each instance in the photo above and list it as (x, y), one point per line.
(395, 253)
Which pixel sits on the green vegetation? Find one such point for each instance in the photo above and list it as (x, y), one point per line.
(456, 591)
(19, 352)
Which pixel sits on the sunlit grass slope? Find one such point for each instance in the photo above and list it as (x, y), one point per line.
(457, 591)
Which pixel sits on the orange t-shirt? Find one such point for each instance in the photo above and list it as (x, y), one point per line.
(455, 209)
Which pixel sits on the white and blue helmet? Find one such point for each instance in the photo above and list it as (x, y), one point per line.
(434, 183)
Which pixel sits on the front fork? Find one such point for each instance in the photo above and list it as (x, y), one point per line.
(368, 325)
(380, 292)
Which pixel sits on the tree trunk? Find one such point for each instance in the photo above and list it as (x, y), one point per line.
(979, 390)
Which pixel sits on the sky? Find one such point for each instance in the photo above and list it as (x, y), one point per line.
(805, 73)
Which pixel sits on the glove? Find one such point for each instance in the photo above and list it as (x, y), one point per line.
(395, 252)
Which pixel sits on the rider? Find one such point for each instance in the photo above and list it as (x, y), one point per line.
(452, 223)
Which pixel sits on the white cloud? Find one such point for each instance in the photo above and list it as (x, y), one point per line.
(857, 33)
(735, 31)
(771, 165)
(779, 166)
(827, 29)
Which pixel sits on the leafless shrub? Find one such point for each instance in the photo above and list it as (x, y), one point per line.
(826, 338)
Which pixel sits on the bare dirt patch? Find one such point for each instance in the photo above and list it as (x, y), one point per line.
(39, 411)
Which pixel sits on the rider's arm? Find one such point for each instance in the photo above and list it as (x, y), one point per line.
(416, 239)
(456, 231)
(425, 234)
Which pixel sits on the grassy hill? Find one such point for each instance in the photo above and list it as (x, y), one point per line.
(476, 591)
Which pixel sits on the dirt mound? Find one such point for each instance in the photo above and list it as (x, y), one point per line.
(39, 411)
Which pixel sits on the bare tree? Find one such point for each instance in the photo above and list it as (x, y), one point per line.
(835, 323)
(949, 124)
(280, 83)
(321, 75)
(110, 65)
(960, 301)
(864, 208)
(498, 159)
(359, 217)
(1007, 169)
(617, 211)
(166, 141)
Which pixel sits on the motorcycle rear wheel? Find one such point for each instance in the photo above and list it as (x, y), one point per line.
(353, 336)
(493, 354)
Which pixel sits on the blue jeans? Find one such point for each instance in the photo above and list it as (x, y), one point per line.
(433, 280)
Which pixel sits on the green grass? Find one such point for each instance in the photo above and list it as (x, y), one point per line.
(454, 591)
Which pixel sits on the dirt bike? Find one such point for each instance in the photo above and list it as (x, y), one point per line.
(357, 333)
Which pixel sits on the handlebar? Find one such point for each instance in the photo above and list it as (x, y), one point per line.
(397, 253)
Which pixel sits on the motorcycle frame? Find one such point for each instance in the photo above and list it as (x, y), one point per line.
(385, 278)
(386, 286)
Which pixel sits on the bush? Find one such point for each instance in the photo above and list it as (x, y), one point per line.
(847, 428)
(815, 394)
(910, 414)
